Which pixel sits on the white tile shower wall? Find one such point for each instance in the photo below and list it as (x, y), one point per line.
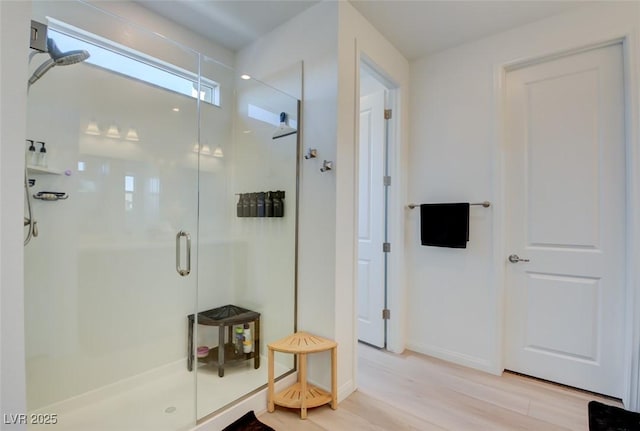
(454, 310)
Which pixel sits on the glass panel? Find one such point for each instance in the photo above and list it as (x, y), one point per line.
(247, 255)
(106, 309)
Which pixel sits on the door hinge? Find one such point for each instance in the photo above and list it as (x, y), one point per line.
(387, 114)
(386, 247)
(386, 314)
(386, 180)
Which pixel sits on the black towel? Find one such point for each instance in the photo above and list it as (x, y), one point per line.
(445, 225)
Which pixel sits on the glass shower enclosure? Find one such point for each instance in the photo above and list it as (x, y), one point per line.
(156, 201)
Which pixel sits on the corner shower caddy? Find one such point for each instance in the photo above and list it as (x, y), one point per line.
(42, 170)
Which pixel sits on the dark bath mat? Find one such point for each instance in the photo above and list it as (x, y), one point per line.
(248, 422)
(609, 418)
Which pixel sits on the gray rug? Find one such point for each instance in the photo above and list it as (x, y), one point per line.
(603, 417)
(248, 422)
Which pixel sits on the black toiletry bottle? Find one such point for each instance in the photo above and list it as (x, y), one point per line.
(239, 205)
(246, 211)
(277, 205)
(260, 204)
(253, 204)
(268, 205)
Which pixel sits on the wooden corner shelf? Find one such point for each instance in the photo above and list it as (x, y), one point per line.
(302, 395)
(292, 397)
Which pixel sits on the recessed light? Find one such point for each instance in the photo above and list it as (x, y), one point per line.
(176, 109)
(245, 76)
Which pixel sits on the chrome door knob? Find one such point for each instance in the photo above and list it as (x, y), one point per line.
(514, 258)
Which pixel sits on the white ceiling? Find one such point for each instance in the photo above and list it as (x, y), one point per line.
(418, 28)
(415, 27)
(231, 23)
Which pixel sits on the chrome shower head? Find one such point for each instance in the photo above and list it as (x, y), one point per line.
(65, 58)
(58, 58)
(284, 129)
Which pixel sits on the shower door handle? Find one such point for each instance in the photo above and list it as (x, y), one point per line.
(183, 271)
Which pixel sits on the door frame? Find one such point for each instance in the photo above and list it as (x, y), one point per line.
(631, 82)
(395, 229)
(384, 207)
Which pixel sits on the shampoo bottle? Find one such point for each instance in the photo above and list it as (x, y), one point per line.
(32, 156)
(253, 205)
(268, 205)
(278, 204)
(260, 204)
(239, 206)
(42, 156)
(246, 212)
(238, 345)
(247, 343)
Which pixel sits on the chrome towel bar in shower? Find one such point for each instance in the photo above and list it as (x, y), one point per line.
(485, 204)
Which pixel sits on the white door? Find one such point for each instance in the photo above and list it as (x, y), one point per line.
(371, 271)
(566, 214)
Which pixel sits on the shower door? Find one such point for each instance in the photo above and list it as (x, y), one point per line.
(247, 257)
(111, 277)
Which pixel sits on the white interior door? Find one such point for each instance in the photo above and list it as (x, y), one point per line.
(371, 272)
(566, 215)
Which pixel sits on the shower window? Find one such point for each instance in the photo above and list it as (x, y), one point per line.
(267, 116)
(117, 58)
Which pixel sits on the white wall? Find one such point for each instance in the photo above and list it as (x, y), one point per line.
(455, 295)
(359, 40)
(14, 26)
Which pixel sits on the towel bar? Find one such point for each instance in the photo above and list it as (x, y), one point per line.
(485, 204)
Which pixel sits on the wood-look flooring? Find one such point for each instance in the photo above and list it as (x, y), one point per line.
(417, 392)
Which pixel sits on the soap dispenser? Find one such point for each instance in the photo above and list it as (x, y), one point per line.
(268, 204)
(42, 156)
(32, 156)
(239, 205)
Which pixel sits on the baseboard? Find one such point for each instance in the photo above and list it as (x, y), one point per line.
(345, 390)
(470, 361)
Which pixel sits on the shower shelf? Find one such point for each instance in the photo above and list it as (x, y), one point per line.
(41, 170)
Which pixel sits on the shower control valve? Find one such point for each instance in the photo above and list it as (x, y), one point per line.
(312, 153)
